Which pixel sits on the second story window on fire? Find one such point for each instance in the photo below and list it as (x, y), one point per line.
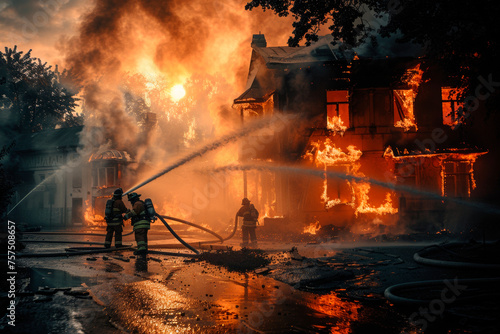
(451, 106)
(404, 116)
(337, 110)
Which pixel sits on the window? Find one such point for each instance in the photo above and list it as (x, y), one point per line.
(404, 116)
(106, 177)
(456, 178)
(77, 177)
(451, 106)
(337, 110)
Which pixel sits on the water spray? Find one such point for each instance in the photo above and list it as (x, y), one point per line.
(31, 191)
(321, 173)
(253, 126)
(71, 164)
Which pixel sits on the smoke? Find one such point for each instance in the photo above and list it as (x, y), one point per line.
(128, 55)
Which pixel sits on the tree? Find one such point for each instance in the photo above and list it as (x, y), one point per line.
(6, 183)
(461, 34)
(32, 95)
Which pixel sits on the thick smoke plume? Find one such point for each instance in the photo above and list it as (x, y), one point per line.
(129, 55)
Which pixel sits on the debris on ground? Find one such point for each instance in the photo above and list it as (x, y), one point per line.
(242, 260)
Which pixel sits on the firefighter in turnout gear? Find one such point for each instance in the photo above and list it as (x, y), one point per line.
(250, 216)
(140, 221)
(115, 208)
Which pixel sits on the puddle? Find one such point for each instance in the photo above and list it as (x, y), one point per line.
(53, 278)
(201, 298)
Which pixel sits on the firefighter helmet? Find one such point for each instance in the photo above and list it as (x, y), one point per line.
(133, 196)
(118, 193)
(245, 201)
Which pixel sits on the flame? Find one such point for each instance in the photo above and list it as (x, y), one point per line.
(407, 97)
(364, 207)
(336, 125)
(413, 79)
(177, 92)
(330, 155)
(312, 228)
(451, 105)
(92, 219)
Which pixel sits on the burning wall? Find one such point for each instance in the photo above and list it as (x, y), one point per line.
(367, 106)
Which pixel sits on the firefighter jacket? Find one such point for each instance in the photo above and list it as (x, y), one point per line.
(119, 208)
(139, 216)
(246, 212)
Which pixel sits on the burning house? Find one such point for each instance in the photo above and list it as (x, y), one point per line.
(389, 119)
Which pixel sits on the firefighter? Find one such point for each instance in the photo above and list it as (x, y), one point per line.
(250, 216)
(140, 222)
(114, 219)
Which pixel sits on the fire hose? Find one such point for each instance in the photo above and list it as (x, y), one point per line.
(176, 236)
(392, 292)
(93, 251)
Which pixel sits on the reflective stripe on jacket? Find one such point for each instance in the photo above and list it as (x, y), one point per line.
(138, 215)
(118, 209)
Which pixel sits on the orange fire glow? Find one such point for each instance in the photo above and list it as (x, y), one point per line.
(312, 228)
(91, 219)
(177, 92)
(330, 155)
(404, 98)
(364, 207)
(336, 125)
(334, 307)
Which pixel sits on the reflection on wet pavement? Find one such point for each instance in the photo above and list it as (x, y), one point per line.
(202, 298)
(164, 294)
(53, 278)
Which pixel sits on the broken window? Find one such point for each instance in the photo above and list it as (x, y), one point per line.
(451, 106)
(337, 110)
(404, 116)
(456, 178)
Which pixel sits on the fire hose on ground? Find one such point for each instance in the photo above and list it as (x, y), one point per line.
(392, 293)
(78, 250)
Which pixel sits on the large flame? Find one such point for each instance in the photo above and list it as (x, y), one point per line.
(91, 219)
(336, 125)
(412, 78)
(326, 154)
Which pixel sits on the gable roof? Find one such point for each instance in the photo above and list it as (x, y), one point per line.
(320, 51)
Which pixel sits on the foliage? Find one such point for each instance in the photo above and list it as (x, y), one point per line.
(32, 95)
(6, 183)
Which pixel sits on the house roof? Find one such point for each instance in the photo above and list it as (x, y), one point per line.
(320, 51)
(110, 155)
(48, 140)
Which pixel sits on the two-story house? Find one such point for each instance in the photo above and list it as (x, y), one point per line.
(389, 119)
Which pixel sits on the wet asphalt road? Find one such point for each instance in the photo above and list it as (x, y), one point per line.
(165, 294)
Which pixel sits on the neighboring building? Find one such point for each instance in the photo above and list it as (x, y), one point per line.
(386, 119)
(69, 185)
